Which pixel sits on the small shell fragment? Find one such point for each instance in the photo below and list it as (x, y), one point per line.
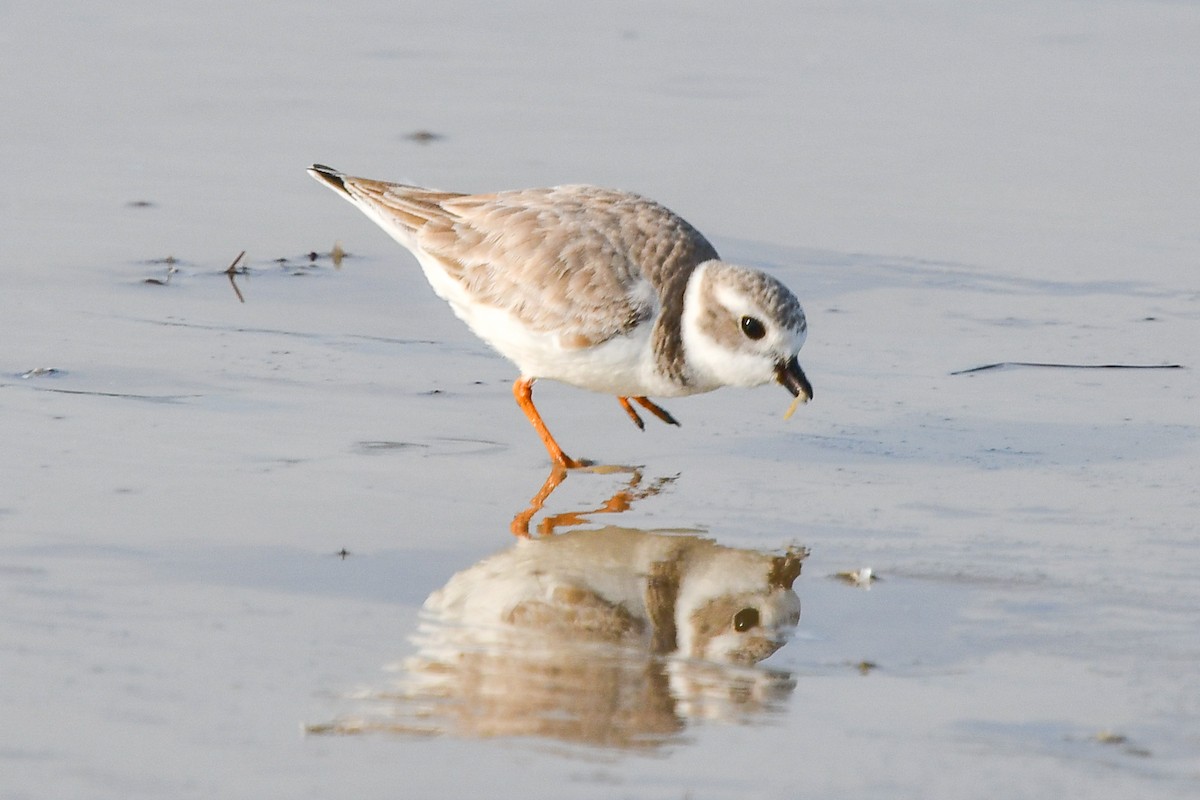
(863, 578)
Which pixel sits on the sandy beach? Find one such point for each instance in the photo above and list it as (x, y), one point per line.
(221, 522)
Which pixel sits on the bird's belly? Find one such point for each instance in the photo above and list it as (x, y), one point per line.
(623, 365)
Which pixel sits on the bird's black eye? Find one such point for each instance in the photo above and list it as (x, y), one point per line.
(753, 328)
(745, 619)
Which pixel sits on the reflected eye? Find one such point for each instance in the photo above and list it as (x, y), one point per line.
(745, 619)
(753, 328)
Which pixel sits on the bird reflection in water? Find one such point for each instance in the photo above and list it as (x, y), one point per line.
(621, 501)
(613, 637)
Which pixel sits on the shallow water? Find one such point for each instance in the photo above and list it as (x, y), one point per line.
(221, 520)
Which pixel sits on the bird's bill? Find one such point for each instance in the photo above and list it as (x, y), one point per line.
(793, 379)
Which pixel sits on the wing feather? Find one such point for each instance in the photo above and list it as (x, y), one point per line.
(584, 263)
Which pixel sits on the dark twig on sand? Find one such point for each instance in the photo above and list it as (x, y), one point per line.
(1003, 364)
(171, 270)
(232, 271)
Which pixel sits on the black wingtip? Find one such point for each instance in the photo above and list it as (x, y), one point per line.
(328, 175)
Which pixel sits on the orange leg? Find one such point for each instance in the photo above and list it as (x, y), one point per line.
(656, 410)
(523, 391)
(520, 524)
(633, 415)
(619, 503)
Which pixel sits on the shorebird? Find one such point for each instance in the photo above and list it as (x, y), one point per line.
(597, 288)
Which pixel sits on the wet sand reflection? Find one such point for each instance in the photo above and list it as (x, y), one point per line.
(614, 637)
(621, 501)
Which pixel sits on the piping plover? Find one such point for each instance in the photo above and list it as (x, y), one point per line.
(596, 288)
(613, 637)
(669, 594)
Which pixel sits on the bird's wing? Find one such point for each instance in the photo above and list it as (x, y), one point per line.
(584, 263)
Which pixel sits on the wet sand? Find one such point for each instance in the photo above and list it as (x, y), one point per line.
(221, 520)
